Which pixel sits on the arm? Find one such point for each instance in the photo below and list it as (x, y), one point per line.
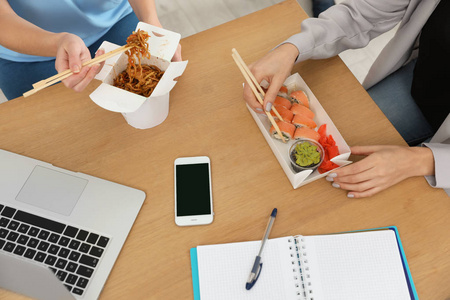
(351, 24)
(69, 50)
(33, 41)
(146, 12)
(383, 167)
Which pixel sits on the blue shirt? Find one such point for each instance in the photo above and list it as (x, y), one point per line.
(88, 19)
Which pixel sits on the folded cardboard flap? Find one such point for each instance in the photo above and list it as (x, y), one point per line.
(171, 74)
(115, 99)
(162, 43)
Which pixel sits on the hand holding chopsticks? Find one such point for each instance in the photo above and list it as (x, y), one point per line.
(63, 75)
(256, 89)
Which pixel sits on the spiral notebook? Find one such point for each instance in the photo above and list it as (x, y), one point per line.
(368, 264)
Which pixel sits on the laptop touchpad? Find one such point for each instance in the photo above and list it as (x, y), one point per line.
(52, 190)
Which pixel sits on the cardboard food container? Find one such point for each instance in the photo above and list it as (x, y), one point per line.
(139, 111)
(281, 150)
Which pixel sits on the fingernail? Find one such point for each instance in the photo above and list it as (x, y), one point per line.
(268, 106)
(259, 109)
(328, 178)
(101, 49)
(332, 175)
(350, 195)
(76, 69)
(336, 185)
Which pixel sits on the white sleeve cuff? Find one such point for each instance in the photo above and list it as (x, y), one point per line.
(441, 153)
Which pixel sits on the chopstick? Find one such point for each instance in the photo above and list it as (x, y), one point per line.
(246, 73)
(63, 75)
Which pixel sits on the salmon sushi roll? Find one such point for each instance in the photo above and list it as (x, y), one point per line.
(301, 120)
(285, 113)
(300, 97)
(283, 89)
(287, 130)
(281, 101)
(283, 92)
(299, 109)
(308, 133)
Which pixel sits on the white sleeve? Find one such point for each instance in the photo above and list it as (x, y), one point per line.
(348, 25)
(441, 153)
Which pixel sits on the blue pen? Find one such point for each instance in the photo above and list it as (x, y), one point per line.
(257, 265)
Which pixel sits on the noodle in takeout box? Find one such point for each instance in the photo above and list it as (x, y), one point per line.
(281, 150)
(139, 111)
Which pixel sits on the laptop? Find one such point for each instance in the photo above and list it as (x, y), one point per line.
(55, 223)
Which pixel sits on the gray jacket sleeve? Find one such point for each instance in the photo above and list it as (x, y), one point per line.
(441, 153)
(348, 25)
(440, 146)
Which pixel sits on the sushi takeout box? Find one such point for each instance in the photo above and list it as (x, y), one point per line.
(139, 111)
(281, 150)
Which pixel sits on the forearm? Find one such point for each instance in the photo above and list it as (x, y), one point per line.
(421, 161)
(23, 36)
(349, 25)
(383, 166)
(145, 10)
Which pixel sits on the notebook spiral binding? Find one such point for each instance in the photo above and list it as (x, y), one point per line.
(300, 268)
(296, 269)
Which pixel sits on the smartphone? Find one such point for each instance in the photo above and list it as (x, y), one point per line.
(193, 193)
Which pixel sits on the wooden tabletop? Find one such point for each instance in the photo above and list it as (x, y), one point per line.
(208, 117)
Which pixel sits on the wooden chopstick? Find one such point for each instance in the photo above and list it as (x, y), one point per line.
(255, 82)
(63, 75)
(255, 92)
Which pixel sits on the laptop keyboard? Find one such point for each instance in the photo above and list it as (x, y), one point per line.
(71, 253)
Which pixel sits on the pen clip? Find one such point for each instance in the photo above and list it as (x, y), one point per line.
(249, 285)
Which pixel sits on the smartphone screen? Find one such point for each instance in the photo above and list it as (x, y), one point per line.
(193, 189)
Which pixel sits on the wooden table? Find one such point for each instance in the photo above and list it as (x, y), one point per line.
(208, 117)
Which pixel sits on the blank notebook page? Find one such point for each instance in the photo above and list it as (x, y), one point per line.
(363, 265)
(224, 270)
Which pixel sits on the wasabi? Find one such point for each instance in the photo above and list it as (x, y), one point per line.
(306, 154)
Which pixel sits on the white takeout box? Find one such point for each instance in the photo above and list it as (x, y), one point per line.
(281, 150)
(139, 111)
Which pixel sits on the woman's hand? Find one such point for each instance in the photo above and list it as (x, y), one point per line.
(274, 67)
(383, 167)
(71, 54)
